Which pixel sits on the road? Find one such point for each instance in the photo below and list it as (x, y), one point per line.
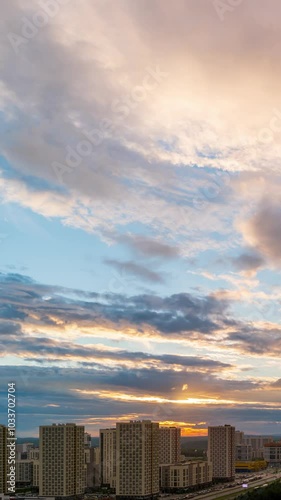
(228, 492)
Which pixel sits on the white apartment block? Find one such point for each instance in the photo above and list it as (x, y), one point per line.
(108, 457)
(272, 452)
(137, 465)
(3, 459)
(169, 445)
(221, 451)
(62, 467)
(185, 475)
(257, 443)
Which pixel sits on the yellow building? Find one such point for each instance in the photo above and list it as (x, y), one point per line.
(250, 466)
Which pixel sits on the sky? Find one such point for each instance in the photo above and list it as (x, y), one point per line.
(140, 236)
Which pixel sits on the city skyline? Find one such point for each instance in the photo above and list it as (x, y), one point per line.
(140, 213)
(136, 459)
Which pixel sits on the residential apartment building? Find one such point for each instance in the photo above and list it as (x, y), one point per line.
(62, 465)
(257, 443)
(24, 472)
(243, 452)
(239, 437)
(33, 454)
(137, 465)
(221, 451)
(3, 459)
(169, 445)
(87, 440)
(35, 477)
(22, 451)
(108, 457)
(272, 452)
(185, 475)
(93, 475)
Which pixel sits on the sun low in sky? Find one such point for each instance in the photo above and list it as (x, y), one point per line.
(140, 215)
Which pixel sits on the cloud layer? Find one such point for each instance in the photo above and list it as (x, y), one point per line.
(147, 133)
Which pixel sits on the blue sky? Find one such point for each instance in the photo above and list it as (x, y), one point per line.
(140, 214)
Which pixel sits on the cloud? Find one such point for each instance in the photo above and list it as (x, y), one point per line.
(265, 341)
(8, 328)
(263, 231)
(148, 247)
(50, 351)
(145, 111)
(55, 312)
(112, 131)
(172, 315)
(50, 394)
(137, 270)
(249, 262)
(277, 383)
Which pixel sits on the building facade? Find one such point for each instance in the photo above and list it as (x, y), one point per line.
(24, 472)
(239, 437)
(87, 440)
(257, 443)
(169, 445)
(33, 454)
(272, 452)
(3, 459)
(108, 457)
(93, 475)
(62, 465)
(249, 466)
(221, 451)
(181, 476)
(137, 464)
(243, 452)
(35, 477)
